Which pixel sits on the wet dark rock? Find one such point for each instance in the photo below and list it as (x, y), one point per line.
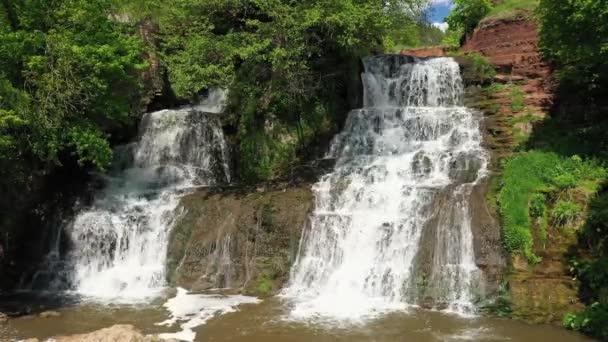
(240, 238)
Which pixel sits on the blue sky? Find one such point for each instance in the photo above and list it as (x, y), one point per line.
(441, 8)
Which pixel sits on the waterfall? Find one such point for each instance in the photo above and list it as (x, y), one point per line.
(118, 243)
(392, 225)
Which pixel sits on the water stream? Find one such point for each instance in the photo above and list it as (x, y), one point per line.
(391, 231)
(118, 243)
(411, 147)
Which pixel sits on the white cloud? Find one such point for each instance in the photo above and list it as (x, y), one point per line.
(441, 26)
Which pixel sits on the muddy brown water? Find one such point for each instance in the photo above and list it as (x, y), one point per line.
(266, 322)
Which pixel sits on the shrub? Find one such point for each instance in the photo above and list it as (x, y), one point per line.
(537, 205)
(565, 212)
(593, 321)
(452, 37)
(467, 14)
(519, 238)
(526, 176)
(518, 101)
(565, 181)
(482, 67)
(495, 88)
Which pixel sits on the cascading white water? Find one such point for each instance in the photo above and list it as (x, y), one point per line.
(118, 244)
(406, 164)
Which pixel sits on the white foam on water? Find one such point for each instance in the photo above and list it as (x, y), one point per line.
(411, 144)
(193, 310)
(118, 242)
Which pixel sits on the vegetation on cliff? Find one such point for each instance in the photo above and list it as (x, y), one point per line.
(539, 188)
(69, 69)
(575, 34)
(552, 187)
(73, 79)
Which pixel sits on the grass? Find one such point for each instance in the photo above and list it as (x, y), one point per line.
(527, 178)
(264, 285)
(565, 212)
(509, 9)
(518, 100)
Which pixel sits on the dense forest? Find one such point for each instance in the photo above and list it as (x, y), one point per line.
(76, 76)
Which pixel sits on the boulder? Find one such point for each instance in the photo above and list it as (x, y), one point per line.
(116, 333)
(49, 314)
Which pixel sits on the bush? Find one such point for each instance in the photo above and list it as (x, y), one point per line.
(518, 101)
(467, 14)
(565, 212)
(575, 33)
(525, 177)
(495, 88)
(482, 66)
(537, 205)
(452, 37)
(593, 321)
(565, 181)
(519, 238)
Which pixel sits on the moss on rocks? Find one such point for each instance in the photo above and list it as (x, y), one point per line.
(241, 239)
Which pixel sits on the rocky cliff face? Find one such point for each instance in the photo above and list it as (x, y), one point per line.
(431, 51)
(242, 239)
(545, 292)
(512, 47)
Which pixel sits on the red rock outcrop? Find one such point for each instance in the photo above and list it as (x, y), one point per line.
(430, 51)
(542, 293)
(511, 45)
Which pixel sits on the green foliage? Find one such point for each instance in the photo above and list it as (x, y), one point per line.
(286, 64)
(508, 9)
(495, 88)
(537, 205)
(565, 181)
(575, 33)
(476, 66)
(525, 176)
(565, 212)
(466, 14)
(263, 286)
(69, 69)
(593, 273)
(68, 74)
(518, 101)
(452, 37)
(593, 321)
(482, 66)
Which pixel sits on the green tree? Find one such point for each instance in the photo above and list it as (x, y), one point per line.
(285, 63)
(575, 33)
(70, 77)
(467, 14)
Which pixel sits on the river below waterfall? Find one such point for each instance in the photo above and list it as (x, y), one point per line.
(268, 321)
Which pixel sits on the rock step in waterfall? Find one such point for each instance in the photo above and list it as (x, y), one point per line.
(392, 225)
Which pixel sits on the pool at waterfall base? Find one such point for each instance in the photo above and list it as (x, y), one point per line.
(269, 321)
